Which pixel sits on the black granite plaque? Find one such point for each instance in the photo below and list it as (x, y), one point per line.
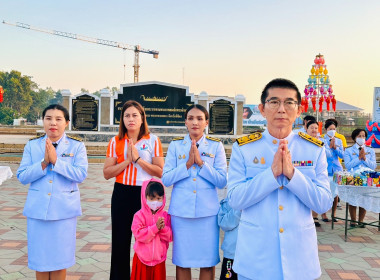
(85, 111)
(164, 105)
(221, 117)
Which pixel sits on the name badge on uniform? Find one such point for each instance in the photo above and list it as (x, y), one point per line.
(297, 163)
(144, 147)
(208, 155)
(67, 155)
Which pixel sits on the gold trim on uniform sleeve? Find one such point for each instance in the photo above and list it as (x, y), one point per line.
(249, 138)
(213, 139)
(75, 138)
(311, 139)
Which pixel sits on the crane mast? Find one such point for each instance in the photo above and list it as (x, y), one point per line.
(136, 48)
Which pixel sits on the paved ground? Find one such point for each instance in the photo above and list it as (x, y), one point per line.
(359, 258)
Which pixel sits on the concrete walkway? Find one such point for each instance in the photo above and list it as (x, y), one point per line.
(359, 258)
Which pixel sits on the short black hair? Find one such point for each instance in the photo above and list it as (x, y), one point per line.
(57, 107)
(308, 118)
(154, 188)
(310, 123)
(199, 107)
(249, 111)
(356, 132)
(280, 83)
(330, 122)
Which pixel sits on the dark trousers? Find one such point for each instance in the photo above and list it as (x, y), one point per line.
(224, 271)
(125, 202)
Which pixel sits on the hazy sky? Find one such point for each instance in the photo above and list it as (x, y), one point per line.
(224, 47)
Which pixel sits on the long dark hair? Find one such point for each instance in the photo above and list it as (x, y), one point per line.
(144, 130)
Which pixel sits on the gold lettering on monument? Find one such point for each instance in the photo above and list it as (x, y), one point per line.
(154, 98)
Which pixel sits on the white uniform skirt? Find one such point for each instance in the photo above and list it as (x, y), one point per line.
(51, 244)
(195, 241)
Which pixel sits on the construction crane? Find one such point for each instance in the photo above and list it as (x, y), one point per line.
(137, 49)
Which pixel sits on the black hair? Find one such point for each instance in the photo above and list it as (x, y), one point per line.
(308, 118)
(249, 112)
(199, 107)
(280, 83)
(154, 188)
(356, 132)
(310, 123)
(330, 122)
(57, 107)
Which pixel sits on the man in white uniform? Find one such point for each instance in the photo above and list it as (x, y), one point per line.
(276, 178)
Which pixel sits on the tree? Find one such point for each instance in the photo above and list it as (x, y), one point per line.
(6, 115)
(41, 100)
(58, 99)
(17, 91)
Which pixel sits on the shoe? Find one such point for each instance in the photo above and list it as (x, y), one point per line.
(335, 220)
(361, 225)
(352, 225)
(317, 224)
(326, 220)
(339, 206)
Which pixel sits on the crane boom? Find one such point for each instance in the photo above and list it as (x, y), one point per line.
(136, 48)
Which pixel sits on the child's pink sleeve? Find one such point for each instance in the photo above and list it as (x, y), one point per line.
(166, 233)
(143, 233)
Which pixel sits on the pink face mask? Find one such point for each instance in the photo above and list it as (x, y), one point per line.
(154, 205)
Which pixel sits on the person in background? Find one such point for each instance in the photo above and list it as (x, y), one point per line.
(334, 152)
(152, 231)
(53, 164)
(305, 120)
(344, 142)
(195, 166)
(228, 221)
(312, 130)
(355, 157)
(133, 156)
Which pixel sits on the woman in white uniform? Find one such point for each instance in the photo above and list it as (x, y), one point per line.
(53, 164)
(355, 157)
(195, 166)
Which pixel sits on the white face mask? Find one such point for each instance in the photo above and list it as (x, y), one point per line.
(360, 141)
(154, 205)
(331, 133)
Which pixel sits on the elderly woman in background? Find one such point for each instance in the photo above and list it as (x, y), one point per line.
(356, 157)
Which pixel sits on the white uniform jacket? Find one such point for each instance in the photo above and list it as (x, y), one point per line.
(194, 192)
(53, 193)
(277, 237)
(352, 161)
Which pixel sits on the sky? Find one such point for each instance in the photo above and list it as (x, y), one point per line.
(218, 46)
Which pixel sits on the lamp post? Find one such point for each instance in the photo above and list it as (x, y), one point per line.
(319, 89)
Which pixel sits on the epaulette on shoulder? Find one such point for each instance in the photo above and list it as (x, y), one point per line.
(249, 138)
(178, 138)
(213, 138)
(75, 138)
(311, 139)
(37, 137)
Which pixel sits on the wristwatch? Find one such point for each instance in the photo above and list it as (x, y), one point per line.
(44, 162)
(203, 163)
